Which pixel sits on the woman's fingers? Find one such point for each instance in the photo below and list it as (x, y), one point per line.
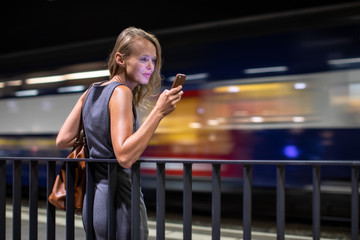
(177, 97)
(175, 90)
(168, 99)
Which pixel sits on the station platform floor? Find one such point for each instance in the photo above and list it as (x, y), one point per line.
(173, 229)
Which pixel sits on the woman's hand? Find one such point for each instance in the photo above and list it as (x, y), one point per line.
(167, 100)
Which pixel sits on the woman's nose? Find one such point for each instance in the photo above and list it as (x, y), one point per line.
(150, 64)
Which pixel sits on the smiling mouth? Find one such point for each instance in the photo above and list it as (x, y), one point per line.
(147, 75)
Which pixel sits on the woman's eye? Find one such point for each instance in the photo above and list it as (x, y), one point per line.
(146, 59)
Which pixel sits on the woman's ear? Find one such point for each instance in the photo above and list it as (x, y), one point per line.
(119, 59)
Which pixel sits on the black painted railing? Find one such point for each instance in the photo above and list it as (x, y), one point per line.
(160, 200)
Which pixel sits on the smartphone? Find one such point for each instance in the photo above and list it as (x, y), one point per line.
(179, 80)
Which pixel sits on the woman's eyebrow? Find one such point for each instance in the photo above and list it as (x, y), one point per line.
(147, 55)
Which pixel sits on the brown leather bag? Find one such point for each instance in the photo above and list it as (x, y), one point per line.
(58, 194)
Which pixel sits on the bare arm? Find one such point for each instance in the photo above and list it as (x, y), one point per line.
(129, 146)
(67, 134)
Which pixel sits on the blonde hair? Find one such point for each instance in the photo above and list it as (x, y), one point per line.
(124, 45)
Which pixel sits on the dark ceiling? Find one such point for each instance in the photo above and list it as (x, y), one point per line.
(47, 35)
(43, 24)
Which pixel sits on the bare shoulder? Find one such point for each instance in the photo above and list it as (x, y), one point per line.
(82, 97)
(121, 95)
(122, 91)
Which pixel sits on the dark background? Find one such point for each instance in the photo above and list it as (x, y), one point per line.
(47, 35)
(43, 24)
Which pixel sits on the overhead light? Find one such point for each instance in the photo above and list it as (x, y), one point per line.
(14, 83)
(298, 119)
(225, 89)
(26, 93)
(196, 76)
(256, 87)
(257, 119)
(71, 89)
(49, 79)
(69, 76)
(266, 70)
(234, 89)
(195, 125)
(213, 122)
(300, 85)
(2, 84)
(343, 61)
(90, 74)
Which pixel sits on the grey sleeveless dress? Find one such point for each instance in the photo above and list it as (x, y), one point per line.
(97, 128)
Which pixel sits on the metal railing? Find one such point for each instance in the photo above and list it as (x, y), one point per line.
(160, 195)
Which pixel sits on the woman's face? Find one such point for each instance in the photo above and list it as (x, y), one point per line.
(141, 63)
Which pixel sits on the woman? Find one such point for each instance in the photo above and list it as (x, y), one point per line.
(109, 117)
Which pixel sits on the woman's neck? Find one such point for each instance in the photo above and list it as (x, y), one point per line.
(121, 79)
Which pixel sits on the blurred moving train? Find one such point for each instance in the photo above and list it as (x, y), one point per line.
(285, 95)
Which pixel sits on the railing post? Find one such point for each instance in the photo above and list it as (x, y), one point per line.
(112, 180)
(70, 200)
(216, 201)
(247, 204)
(2, 199)
(355, 202)
(160, 201)
(135, 201)
(50, 215)
(33, 201)
(90, 191)
(316, 202)
(17, 200)
(187, 201)
(280, 202)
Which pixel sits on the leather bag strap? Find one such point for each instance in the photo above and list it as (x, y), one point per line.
(81, 124)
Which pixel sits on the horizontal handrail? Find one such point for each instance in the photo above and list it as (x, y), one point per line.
(202, 161)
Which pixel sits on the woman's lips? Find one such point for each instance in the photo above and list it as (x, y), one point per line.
(147, 75)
